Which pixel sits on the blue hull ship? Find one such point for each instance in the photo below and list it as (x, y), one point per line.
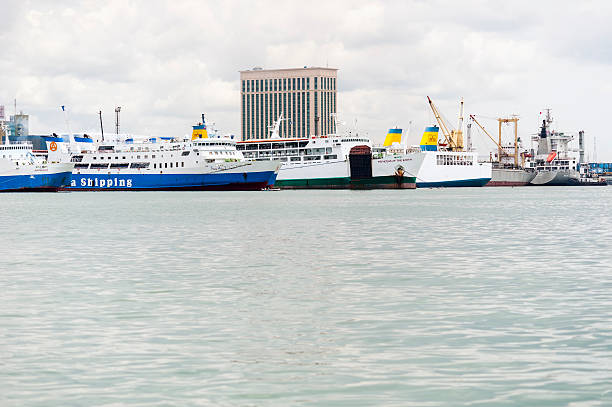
(22, 171)
(126, 163)
(49, 182)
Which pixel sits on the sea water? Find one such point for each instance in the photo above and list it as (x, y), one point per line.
(428, 297)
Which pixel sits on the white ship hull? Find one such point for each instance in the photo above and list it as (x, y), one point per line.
(452, 169)
(388, 172)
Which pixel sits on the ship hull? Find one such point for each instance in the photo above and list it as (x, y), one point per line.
(237, 181)
(509, 177)
(555, 178)
(24, 180)
(388, 182)
(398, 172)
(452, 170)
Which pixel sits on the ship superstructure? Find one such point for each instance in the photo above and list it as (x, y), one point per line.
(553, 162)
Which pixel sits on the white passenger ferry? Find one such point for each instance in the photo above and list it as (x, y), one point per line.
(332, 161)
(161, 163)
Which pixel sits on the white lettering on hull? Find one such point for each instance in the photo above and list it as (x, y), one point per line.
(104, 183)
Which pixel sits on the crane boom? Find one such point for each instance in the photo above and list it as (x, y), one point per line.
(441, 122)
(485, 131)
(453, 137)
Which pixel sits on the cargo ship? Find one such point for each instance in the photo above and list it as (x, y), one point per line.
(509, 161)
(332, 162)
(22, 171)
(552, 163)
(160, 163)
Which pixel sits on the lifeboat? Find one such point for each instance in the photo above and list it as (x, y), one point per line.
(551, 156)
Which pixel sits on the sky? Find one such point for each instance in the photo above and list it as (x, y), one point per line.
(165, 63)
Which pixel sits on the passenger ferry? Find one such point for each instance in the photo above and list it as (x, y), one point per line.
(332, 161)
(21, 170)
(161, 163)
(442, 168)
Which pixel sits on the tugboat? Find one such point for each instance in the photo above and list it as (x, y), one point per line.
(22, 171)
(127, 163)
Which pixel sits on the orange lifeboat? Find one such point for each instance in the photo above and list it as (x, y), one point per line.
(551, 156)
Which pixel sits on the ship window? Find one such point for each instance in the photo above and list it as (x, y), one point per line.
(331, 157)
(81, 165)
(165, 165)
(153, 156)
(105, 165)
(170, 165)
(177, 165)
(185, 153)
(139, 165)
(154, 165)
(119, 165)
(182, 164)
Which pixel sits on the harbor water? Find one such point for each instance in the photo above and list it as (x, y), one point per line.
(431, 297)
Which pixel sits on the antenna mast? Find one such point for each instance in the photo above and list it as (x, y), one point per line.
(101, 128)
(117, 111)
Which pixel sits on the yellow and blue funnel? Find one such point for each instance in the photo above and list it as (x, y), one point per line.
(429, 142)
(199, 130)
(393, 136)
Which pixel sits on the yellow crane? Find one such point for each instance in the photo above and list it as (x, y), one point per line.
(453, 137)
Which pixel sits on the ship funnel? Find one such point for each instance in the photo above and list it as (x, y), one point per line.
(199, 130)
(429, 141)
(393, 136)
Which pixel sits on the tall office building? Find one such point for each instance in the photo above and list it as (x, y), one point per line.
(306, 98)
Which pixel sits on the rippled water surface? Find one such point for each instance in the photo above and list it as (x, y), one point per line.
(434, 297)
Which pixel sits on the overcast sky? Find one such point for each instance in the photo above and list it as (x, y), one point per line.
(166, 62)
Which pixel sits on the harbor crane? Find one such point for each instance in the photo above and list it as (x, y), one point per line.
(500, 148)
(453, 137)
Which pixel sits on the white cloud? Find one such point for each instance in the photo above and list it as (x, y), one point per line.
(164, 63)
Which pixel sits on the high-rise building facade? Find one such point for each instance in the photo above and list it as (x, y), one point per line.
(305, 97)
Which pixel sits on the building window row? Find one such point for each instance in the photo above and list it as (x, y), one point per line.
(287, 84)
